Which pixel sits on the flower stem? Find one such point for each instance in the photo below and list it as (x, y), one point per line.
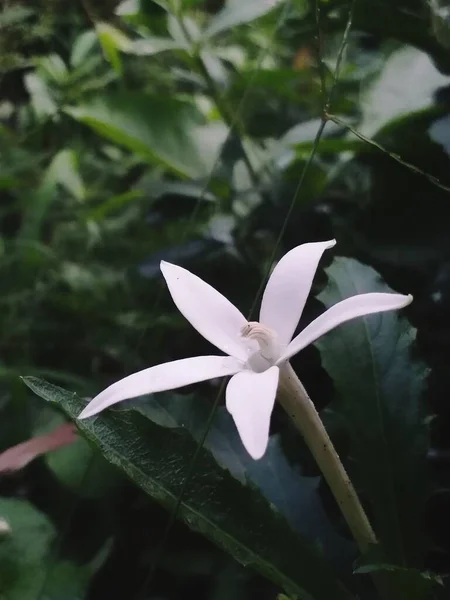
(296, 402)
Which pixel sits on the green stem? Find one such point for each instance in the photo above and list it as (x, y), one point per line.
(295, 400)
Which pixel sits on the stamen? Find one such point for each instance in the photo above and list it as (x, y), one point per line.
(265, 337)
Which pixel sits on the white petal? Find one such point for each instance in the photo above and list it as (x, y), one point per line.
(250, 398)
(168, 376)
(288, 288)
(356, 306)
(212, 315)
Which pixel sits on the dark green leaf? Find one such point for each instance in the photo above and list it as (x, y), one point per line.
(23, 549)
(379, 388)
(233, 515)
(294, 495)
(162, 130)
(410, 583)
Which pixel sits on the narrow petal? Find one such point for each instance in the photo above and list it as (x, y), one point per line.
(288, 287)
(250, 398)
(212, 315)
(168, 376)
(356, 306)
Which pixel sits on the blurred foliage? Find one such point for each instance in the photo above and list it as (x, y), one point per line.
(183, 130)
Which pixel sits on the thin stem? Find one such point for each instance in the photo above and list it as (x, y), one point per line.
(298, 405)
(296, 402)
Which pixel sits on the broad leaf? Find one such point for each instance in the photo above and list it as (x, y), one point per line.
(162, 130)
(28, 568)
(379, 388)
(294, 495)
(237, 12)
(233, 515)
(407, 83)
(23, 549)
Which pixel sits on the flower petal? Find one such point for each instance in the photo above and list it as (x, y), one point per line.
(288, 288)
(250, 398)
(356, 306)
(212, 315)
(168, 376)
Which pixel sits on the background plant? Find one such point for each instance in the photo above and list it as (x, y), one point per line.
(187, 131)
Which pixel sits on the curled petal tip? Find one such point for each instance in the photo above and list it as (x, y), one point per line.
(331, 243)
(408, 299)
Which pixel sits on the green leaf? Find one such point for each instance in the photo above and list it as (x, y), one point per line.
(237, 12)
(410, 583)
(440, 13)
(162, 130)
(406, 84)
(41, 99)
(234, 516)
(295, 496)
(23, 550)
(83, 47)
(152, 45)
(113, 41)
(28, 568)
(63, 170)
(379, 389)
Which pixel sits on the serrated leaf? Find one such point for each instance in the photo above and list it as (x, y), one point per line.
(379, 388)
(234, 516)
(163, 130)
(295, 496)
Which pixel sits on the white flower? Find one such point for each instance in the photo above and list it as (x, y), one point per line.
(255, 350)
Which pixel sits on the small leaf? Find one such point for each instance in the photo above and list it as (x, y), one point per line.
(41, 99)
(83, 47)
(237, 12)
(150, 46)
(163, 130)
(113, 41)
(64, 171)
(379, 389)
(234, 516)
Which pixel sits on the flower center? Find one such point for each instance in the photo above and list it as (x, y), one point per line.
(269, 349)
